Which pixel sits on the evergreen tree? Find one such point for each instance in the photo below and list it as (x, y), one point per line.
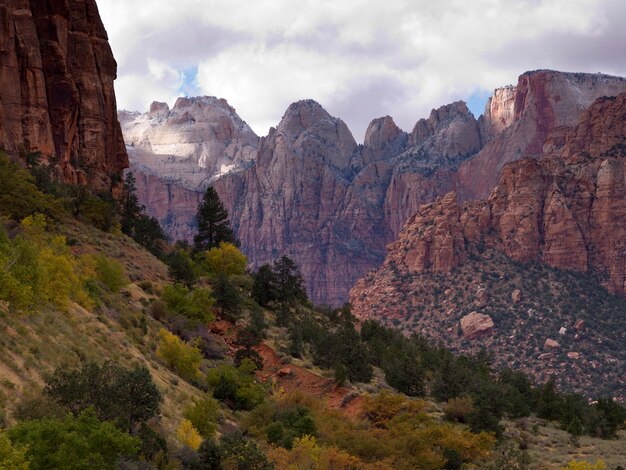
(213, 224)
(289, 282)
(227, 298)
(134, 221)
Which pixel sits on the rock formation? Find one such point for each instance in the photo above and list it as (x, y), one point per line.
(193, 144)
(566, 210)
(476, 325)
(312, 193)
(64, 105)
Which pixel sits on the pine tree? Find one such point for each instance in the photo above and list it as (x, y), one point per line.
(213, 224)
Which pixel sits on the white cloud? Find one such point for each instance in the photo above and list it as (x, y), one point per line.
(360, 58)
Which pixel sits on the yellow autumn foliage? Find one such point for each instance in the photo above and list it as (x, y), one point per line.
(188, 436)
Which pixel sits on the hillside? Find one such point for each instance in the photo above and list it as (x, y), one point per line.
(564, 211)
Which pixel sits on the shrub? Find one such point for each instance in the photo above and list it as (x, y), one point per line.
(110, 273)
(458, 409)
(188, 435)
(73, 442)
(124, 396)
(181, 267)
(180, 356)
(237, 387)
(11, 457)
(203, 414)
(224, 260)
(193, 304)
(19, 196)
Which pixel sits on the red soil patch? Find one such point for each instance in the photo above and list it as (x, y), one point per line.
(293, 378)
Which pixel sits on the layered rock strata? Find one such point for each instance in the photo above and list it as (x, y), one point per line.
(312, 193)
(56, 89)
(566, 210)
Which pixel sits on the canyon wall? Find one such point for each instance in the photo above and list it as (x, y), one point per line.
(310, 191)
(56, 89)
(526, 262)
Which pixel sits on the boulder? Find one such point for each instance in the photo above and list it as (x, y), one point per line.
(551, 344)
(516, 296)
(482, 297)
(284, 372)
(476, 325)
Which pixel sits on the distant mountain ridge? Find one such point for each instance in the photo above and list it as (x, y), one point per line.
(308, 190)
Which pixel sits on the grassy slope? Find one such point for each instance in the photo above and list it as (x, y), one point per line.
(33, 346)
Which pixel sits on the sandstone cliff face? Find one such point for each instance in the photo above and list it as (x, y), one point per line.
(311, 192)
(566, 210)
(56, 88)
(518, 120)
(194, 143)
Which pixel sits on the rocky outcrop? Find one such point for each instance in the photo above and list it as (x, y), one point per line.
(476, 325)
(566, 210)
(309, 191)
(196, 142)
(56, 89)
(518, 119)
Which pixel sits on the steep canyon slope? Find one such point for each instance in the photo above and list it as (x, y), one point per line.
(526, 263)
(56, 89)
(310, 191)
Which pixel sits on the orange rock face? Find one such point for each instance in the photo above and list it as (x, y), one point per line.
(56, 88)
(567, 210)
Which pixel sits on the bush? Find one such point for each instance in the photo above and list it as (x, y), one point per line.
(19, 196)
(458, 409)
(124, 396)
(111, 274)
(203, 414)
(181, 267)
(180, 356)
(224, 260)
(11, 457)
(73, 442)
(188, 435)
(239, 452)
(237, 387)
(192, 304)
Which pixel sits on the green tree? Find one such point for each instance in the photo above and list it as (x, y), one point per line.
(264, 286)
(80, 442)
(289, 282)
(227, 298)
(213, 224)
(19, 196)
(125, 396)
(134, 221)
(181, 267)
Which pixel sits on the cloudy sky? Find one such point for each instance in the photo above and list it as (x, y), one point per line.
(360, 59)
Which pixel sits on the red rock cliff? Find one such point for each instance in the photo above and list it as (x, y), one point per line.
(56, 88)
(567, 210)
